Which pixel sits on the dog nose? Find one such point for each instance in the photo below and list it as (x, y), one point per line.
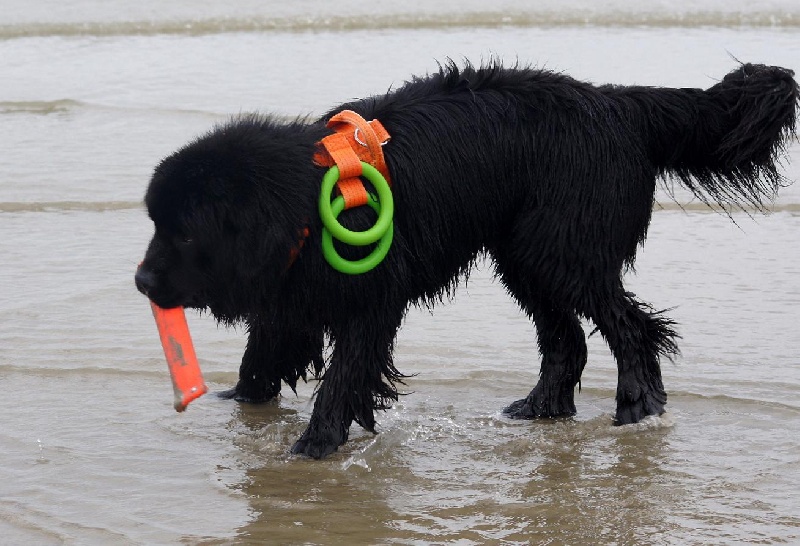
(145, 280)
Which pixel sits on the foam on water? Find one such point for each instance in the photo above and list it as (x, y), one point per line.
(319, 16)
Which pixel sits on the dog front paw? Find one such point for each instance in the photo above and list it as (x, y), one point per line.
(249, 396)
(316, 449)
(318, 442)
(535, 407)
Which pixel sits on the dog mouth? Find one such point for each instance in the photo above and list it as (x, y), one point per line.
(165, 302)
(149, 284)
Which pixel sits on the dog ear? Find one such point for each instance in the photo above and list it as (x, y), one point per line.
(264, 247)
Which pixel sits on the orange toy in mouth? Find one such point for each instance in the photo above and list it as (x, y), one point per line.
(187, 379)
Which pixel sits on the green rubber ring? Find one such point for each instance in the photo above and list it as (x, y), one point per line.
(355, 267)
(385, 213)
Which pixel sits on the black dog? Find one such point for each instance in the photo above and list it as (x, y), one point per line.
(553, 178)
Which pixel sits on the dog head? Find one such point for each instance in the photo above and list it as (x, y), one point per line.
(227, 210)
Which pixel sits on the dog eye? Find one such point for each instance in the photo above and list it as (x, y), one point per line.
(185, 240)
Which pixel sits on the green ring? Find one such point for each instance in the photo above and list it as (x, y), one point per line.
(385, 213)
(355, 267)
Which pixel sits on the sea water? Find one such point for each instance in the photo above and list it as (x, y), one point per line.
(94, 93)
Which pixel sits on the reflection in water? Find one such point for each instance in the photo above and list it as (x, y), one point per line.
(603, 486)
(297, 500)
(433, 475)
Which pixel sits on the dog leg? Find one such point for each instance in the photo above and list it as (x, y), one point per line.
(353, 385)
(563, 349)
(274, 353)
(638, 337)
(561, 341)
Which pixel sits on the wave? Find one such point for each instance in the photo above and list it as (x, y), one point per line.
(81, 371)
(61, 106)
(695, 206)
(69, 206)
(660, 205)
(38, 107)
(784, 18)
(104, 206)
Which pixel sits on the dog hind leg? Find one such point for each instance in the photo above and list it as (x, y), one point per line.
(637, 337)
(563, 349)
(562, 344)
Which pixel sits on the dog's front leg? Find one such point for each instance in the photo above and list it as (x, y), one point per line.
(275, 352)
(359, 379)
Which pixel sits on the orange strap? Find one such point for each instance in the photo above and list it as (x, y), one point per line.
(348, 147)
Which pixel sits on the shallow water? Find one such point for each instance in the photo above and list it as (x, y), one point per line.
(93, 95)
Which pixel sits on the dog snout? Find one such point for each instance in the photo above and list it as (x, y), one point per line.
(145, 280)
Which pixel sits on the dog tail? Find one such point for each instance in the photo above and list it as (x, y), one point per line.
(724, 143)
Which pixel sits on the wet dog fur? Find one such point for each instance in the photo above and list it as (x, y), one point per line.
(551, 178)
